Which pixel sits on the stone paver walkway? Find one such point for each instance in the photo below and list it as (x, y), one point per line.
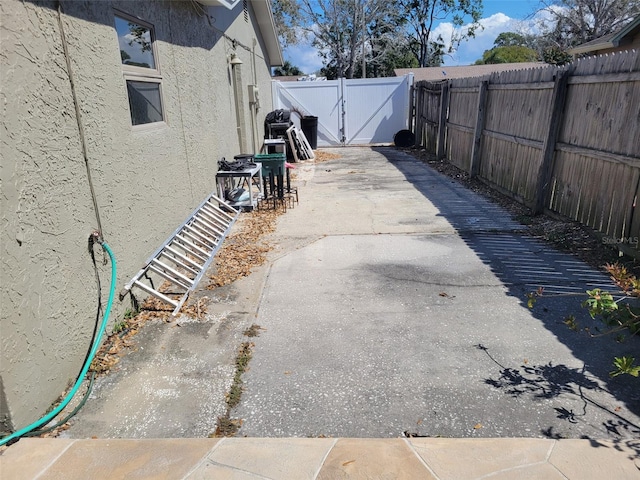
(320, 459)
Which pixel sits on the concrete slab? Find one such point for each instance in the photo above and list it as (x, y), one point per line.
(423, 330)
(373, 458)
(31, 456)
(511, 458)
(131, 459)
(597, 459)
(173, 383)
(299, 458)
(396, 302)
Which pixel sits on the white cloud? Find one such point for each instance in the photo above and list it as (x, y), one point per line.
(472, 49)
(543, 19)
(305, 57)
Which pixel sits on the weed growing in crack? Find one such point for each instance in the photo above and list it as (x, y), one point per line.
(227, 426)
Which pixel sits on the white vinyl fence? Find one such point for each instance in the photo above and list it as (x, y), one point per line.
(350, 112)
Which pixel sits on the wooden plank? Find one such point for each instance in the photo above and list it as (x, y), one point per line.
(546, 167)
(606, 78)
(461, 128)
(599, 154)
(442, 128)
(464, 89)
(477, 135)
(522, 86)
(514, 139)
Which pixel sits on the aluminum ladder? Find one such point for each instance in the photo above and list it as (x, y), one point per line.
(185, 256)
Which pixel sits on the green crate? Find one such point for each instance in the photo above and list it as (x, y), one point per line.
(271, 163)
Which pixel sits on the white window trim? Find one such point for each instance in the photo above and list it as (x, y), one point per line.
(142, 74)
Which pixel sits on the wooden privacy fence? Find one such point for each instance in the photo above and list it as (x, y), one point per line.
(564, 139)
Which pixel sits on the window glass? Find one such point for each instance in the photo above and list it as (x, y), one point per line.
(136, 43)
(145, 102)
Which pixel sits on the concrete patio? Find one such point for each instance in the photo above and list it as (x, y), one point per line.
(395, 342)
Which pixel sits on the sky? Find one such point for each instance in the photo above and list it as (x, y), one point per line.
(498, 16)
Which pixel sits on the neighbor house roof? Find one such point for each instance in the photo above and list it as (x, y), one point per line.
(613, 40)
(266, 24)
(287, 78)
(443, 73)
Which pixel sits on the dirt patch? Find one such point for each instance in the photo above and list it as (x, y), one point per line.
(564, 234)
(323, 156)
(245, 248)
(253, 330)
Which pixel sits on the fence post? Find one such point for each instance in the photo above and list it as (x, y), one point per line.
(442, 122)
(418, 99)
(474, 168)
(548, 151)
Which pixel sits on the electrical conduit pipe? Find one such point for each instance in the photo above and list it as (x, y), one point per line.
(47, 418)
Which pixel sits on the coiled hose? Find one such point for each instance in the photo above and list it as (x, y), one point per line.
(85, 368)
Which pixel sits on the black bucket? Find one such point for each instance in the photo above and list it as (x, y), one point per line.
(309, 126)
(404, 138)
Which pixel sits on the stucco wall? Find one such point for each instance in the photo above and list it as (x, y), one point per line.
(146, 182)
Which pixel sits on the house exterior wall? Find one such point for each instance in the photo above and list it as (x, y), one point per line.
(146, 181)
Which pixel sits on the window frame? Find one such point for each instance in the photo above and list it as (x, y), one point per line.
(142, 74)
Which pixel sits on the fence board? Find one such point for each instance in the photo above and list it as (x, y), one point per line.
(603, 114)
(512, 166)
(593, 172)
(459, 144)
(594, 192)
(427, 116)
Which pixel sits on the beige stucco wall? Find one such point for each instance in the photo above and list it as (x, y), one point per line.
(146, 182)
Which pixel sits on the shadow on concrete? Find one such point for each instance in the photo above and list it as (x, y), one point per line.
(524, 264)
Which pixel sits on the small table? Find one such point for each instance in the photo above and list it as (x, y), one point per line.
(249, 178)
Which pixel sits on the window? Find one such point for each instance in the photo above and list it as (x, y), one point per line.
(140, 69)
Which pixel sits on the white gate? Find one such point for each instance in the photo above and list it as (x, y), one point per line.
(350, 112)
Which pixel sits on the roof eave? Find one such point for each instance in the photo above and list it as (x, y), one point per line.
(591, 48)
(618, 37)
(267, 27)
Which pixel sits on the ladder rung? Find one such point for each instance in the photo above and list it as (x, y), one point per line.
(213, 217)
(198, 242)
(217, 208)
(173, 271)
(163, 273)
(199, 232)
(216, 212)
(176, 242)
(178, 262)
(206, 226)
(203, 254)
(155, 293)
(184, 258)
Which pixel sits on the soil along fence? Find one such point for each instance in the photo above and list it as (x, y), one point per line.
(566, 140)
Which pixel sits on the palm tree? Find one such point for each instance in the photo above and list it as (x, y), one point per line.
(287, 70)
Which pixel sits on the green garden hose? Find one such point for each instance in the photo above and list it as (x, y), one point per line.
(47, 418)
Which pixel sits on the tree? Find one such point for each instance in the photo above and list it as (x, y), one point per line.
(556, 56)
(511, 54)
(287, 70)
(387, 48)
(340, 29)
(509, 47)
(510, 39)
(572, 22)
(422, 16)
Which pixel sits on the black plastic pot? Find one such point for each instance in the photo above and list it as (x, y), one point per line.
(309, 126)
